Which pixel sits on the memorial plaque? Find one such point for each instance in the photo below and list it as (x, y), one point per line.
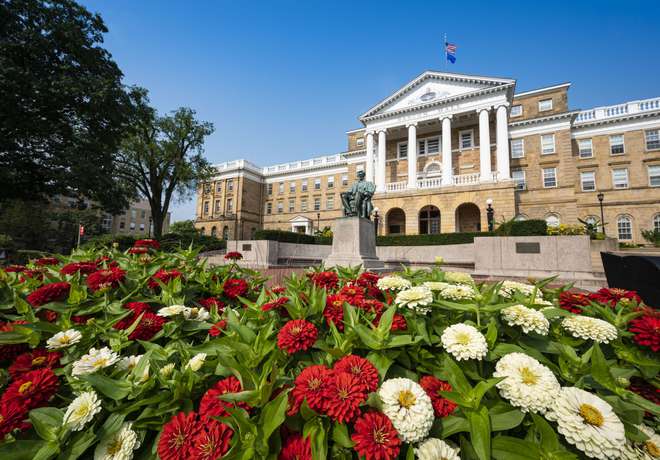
(247, 247)
(528, 248)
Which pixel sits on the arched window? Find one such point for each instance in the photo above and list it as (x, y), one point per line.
(395, 222)
(624, 227)
(214, 231)
(225, 233)
(429, 220)
(202, 231)
(552, 220)
(656, 222)
(433, 169)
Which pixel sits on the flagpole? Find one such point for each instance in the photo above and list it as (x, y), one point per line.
(444, 45)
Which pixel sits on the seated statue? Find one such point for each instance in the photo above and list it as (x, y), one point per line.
(357, 201)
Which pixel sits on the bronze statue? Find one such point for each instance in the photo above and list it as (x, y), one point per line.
(357, 201)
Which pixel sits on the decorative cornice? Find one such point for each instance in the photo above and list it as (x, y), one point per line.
(612, 120)
(534, 121)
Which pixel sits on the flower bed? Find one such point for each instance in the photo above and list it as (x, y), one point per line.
(145, 354)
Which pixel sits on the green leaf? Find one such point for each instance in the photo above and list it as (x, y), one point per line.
(549, 439)
(47, 422)
(480, 431)
(340, 435)
(506, 420)
(600, 369)
(508, 448)
(77, 445)
(113, 389)
(451, 425)
(380, 362)
(482, 387)
(273, 414)
(21, 449)
(315, 431)
(455, 375)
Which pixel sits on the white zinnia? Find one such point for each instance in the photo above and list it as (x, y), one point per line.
(409, 408)
(196, 314)
(196, 362)
(436, 449)
(435, 285)
(458, 292)
(585, 327)
(172, 310)
(528, 384)
(509, 288)
(82, 410)
(416, 298)
(458, 277)
(94, 360)
(167, 370)
(651, 447)
(589, 423)
(63, 339)
(129, 363)
(393, 283)
(527, 318)
(463, 341)
(119, 445)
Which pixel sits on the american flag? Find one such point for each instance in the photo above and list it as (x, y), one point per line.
(450, 52)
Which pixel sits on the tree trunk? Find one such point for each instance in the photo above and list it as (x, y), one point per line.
(157, 216)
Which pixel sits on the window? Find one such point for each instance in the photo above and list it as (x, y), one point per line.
(518, 176)
(122, 224)
(317, 184)
(292, 187)
(230, 205)
(545, 105)
(141, 227)
(303, 205)
(547, 144)
(317, 204)
(217, 207)
(402, 150)
(585, 148)
(588, 181)
(269, 208)
(106, 223)
(624, 227)
(280, 188)
(206, 207)
(218, 187)
(344, 180)
(269, 188)
(304, 185)
(359, 141)
(331, 182)
(133, 214)
(280, 207)
(230, 185)
(359, 167)
(516, 110)
(656, 222)
(620, 178)
(429, 146)
(465, 139)
(207, 188)
(616, 144)
(549, 177)
(330, 202)
(132, 226)
(143, 214)
(654, 175)
(292, 205)
(517, 148)
(652, 139)
(552, 220)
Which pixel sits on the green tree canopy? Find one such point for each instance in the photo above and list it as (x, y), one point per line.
(63, 108)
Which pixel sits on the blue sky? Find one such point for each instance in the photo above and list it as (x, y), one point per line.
(284, 80)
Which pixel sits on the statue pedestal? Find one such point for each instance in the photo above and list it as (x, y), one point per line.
(353, 243)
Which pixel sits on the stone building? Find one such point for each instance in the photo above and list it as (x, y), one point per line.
(443, 146)
(135, 221)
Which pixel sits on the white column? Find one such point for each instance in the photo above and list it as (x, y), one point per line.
(369, 167)
(503, 170)
(412, 155)
(447, 169)
(484, 146)
(380, 164)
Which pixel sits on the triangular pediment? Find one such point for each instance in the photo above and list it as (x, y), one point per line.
(300, 219)
(432, 88)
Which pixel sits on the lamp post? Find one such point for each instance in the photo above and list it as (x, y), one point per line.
(601, 197)
(490, 214)
(150, 223)
(376, 219)
(318, 222)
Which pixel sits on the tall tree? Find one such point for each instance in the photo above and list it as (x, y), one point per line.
(63, 108)
(163, 155)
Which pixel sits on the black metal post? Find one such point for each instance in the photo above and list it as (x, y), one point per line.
(490, 214)
(150, 220)
(376, 219)
(601, 197)
(318, 222)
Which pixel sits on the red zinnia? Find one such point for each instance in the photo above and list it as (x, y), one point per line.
(278, 290)
(32, 360)
(366, 373)
(10, 351)
(235, 287)
(647, 391)
(53, 292)
(297, 335)
(343, 394)
(371, 305)
(612, 296)
(375, 437)
(31, 390)
(275, 304)
(399, 322)
(353, 293)
(647, 331)
(327, 280)
(46, 261)
(47, 315)
(80, 319)
(105, 279)
(37, 274)
(233, 255)
(211, 302)
(572, 301)
(164, 276)
(149, 325)
(14, 269)
(177, 440)
(74, 267)
(296, 448)
(212, 406)
(12, 418)
(334, 310)
(432, 386)
(212, 441)
(147, 243)
(137, 251)
(217, 328)
(309, 385)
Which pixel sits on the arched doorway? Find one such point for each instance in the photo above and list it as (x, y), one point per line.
(468, 218)
(214, 231)
(429, 220)
(395, 221)
(225, 233)
(202, 230)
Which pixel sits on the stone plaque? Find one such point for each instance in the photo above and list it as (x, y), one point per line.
(528, 248)
(246, 247)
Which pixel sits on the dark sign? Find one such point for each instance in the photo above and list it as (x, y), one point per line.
(247, 247)
(528, 248)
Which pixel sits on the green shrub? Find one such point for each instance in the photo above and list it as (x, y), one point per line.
(652, 236)
(173, 241)
(531, 227)
(123, 241)
(291, 237)
(429, 240)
